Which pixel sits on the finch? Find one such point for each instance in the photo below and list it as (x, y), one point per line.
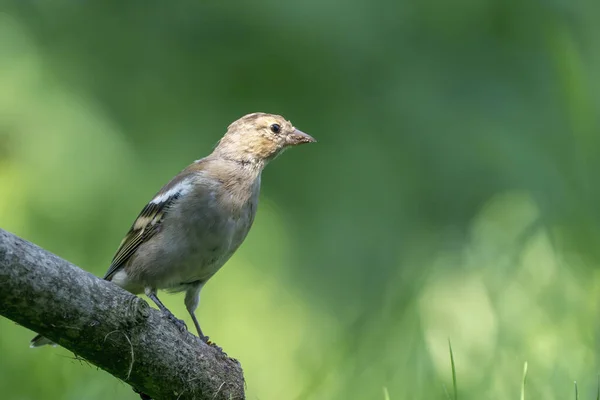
(195, 223)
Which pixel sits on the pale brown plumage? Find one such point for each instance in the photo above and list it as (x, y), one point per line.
(193, 225)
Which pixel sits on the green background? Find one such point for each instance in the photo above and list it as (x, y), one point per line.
(452, 194)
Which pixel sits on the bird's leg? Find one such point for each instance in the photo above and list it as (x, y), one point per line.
(151, 293)
(200, 334)
(192, 299)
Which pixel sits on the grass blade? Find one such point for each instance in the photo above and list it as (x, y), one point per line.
(446, 391)
(524, 380)
(576, 392)
(386, 394)
(453, 371)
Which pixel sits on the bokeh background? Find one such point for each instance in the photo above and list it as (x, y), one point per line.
(453, 193)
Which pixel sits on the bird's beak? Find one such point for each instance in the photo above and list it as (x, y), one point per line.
(298, 137)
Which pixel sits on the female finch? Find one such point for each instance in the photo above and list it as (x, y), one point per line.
(195, 223)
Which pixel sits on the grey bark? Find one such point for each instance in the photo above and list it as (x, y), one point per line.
(110, 327)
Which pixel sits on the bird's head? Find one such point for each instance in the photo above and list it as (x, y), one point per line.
(260, 137)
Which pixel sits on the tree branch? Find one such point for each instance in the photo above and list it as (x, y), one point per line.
(110, 327)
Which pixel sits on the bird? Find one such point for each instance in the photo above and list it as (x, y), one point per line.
(196, 222)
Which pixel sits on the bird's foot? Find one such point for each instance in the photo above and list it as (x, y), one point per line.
(178, 322)
(213, 344)
(206, 340)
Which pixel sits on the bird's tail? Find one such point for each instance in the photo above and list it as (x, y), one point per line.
(39, 341)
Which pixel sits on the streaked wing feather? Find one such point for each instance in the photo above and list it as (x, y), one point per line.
(145, 226)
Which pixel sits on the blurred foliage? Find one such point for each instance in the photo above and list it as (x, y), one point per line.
(452, 194)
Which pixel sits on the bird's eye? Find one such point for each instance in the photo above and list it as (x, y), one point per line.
(275, 128)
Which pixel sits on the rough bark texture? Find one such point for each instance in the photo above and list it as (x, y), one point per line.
(109, 327)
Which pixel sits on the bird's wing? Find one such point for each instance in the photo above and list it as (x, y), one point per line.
(148, 222)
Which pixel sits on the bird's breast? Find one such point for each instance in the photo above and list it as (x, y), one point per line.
(204, 236)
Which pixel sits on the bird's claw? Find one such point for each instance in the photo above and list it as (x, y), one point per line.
(207, 340)
(178, 322)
